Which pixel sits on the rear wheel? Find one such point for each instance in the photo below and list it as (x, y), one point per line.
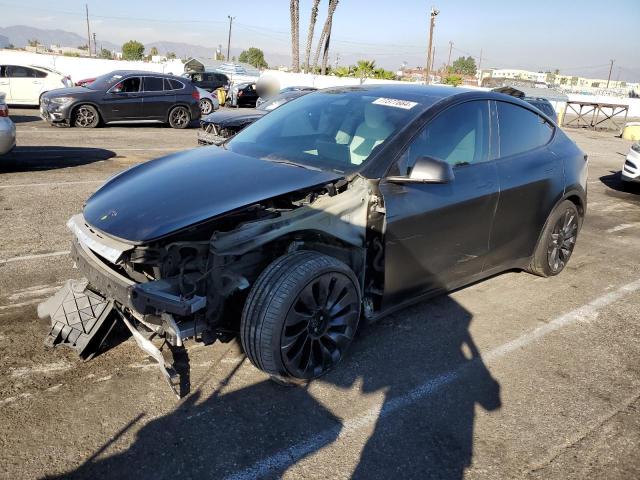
(301, 316)
(557, 241)
(179, 117)
(206, 106)
(86, 116)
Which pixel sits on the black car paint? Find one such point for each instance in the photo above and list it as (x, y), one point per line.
(436, 237)
(159, 197)
(133, 106)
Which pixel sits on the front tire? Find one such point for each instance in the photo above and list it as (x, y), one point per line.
(179, 117)
(86, 116)
(301, 316)
(557, 241)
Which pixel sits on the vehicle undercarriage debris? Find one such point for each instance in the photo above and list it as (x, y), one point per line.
(191, 285)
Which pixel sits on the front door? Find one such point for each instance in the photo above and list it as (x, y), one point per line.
(4, 83)
(437, 235)
(123, 101)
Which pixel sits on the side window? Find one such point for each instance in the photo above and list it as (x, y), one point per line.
(459, 136)
(39, 74)
(3, 71)
(14, 71)
(176, 85)
(128, 85)
(521, 129)
(153, 84)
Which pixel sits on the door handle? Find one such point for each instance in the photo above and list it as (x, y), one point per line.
(4, 83)
(37, 81)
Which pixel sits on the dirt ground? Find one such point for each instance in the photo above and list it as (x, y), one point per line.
(513, 377)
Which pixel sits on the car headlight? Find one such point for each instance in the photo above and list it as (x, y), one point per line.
(61, 100)
(636, 147)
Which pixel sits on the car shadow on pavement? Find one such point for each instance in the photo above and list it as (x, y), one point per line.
(615, 182)
(25, 118)
(422, 360)
(25, 159)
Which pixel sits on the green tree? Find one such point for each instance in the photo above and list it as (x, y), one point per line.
(453, 79)
(104, 53)
(343, 71)
(171, 55)
(254, 56)
(383, 74)
(464, 66)
(83, 47)
(364, 68)
(33, 43)
(133, 50)
(154, 51)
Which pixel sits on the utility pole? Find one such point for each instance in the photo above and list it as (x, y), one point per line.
(95, 46)
(609, 77)
(433, 59)
(434, 13)
(449, 60)
(86, 8)
(231, 19)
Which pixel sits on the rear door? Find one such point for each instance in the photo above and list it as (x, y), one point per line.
(156, 100)
(123, 101)
(531, 182)
(25, 84)
(437, 235)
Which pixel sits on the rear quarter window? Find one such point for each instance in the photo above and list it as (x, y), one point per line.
(521, 129)
(176, 85)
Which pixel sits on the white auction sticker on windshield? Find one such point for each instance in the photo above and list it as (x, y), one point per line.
(394, 102)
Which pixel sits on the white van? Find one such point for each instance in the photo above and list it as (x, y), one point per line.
(23, 85)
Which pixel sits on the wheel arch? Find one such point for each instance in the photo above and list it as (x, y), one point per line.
(179, 104)
(75, 106)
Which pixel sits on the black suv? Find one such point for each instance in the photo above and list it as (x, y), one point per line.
(122, 97)
(209, 81)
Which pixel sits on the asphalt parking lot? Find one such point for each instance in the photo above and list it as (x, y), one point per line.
(513, 377)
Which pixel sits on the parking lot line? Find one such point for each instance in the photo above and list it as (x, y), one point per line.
(34, 257)
(52, 184)
(297, 452)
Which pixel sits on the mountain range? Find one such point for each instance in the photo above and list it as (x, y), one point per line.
(19, 36)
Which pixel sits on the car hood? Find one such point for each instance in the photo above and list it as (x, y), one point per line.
(157, 198)
(233, 117)
(68, 91)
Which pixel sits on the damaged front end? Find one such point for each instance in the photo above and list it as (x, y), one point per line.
(192, 284)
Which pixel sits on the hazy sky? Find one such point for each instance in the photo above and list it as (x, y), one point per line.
(578, 37)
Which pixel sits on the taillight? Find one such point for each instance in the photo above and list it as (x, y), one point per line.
(196, 94)
(4, 111)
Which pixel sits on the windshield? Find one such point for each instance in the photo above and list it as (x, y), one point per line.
(104, 82)
(332, 130)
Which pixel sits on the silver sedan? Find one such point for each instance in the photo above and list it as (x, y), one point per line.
(7, 128)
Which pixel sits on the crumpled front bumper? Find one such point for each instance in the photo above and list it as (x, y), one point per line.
(210, 138)
(84, 312)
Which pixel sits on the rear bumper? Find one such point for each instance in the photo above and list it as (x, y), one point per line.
(631, 168)
(7, 136)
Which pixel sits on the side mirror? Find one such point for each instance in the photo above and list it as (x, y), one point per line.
(427, 170)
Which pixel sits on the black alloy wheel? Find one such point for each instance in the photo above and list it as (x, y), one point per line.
(301, 315)
(320, 325)
(557, 241)
(179, 117)
(86, 116)
(563, 239)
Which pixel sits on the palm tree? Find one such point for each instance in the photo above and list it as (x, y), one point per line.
(325, 32)
(312, 26)
(365, 68)
(325, 57)
(294, 9)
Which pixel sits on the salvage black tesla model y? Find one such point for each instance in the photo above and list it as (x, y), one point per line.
(343, 205)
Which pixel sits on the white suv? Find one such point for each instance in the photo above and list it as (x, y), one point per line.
(23, 85)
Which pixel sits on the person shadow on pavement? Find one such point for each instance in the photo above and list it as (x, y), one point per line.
(433, 377)
(423, 358)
